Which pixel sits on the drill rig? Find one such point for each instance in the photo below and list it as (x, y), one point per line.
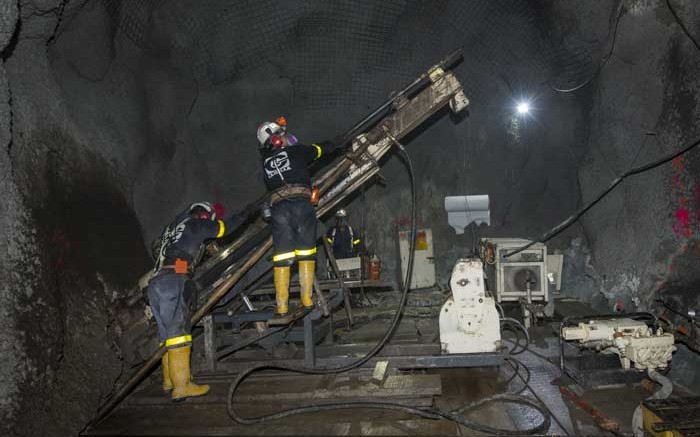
(233, 272)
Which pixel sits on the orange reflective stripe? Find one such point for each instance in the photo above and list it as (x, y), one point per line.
(222, 229)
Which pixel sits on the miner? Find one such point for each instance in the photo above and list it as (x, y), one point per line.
(286, 173)
(171, 290)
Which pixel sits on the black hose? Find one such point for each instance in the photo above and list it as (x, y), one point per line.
(516, 365)
(682, 25)
(430, 413)
(605, 59)
(514, 322)
(631, 172)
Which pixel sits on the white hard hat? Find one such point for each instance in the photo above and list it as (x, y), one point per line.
(206, 206)
(341, 213)
(267, 130)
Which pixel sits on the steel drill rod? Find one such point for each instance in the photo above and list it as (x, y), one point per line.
(371, 119)
(414, 86)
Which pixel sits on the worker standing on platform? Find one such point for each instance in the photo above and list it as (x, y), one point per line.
(342, 238)
(286, 174)
(171, 290)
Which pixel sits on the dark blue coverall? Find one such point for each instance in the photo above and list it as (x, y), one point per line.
(170, 294)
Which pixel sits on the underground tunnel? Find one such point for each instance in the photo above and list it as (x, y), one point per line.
(355, 217)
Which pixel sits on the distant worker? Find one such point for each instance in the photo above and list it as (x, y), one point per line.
(171, 290)
(286, 174)
(342, 237)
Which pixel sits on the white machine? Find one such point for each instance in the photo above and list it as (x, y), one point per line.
(469, 321)
(523, 275)
(423, 273)
(632, 340)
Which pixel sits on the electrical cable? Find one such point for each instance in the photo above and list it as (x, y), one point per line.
(516, 364)
(499, 307)
(517, 324)
(631, 172)
(530, 351)
(429, 413)
(604, 60)
(529, 387)
(566, 223)
(669, 307)
(682, 25)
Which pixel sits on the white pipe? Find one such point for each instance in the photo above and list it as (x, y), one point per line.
(664, 392)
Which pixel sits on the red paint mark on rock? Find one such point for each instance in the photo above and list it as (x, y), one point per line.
(219, 207)
(681, 226)
(677, 163)
(685, 190)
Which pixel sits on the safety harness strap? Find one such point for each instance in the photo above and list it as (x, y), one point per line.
(290, 192)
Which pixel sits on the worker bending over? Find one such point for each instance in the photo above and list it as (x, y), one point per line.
(171, 290)
(286, 174)
(341, 237)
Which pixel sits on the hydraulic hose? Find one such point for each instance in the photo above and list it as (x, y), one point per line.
(430, 413)
(514, 322)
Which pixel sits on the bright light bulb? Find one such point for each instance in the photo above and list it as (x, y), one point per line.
(523, 108)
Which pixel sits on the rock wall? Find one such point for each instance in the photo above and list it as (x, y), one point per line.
(70, 242)
(11, 239)
(642, 105)
(117, 118)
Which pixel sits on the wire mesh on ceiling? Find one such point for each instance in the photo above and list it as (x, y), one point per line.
(342, 52)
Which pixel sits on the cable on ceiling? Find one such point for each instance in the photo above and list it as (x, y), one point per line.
(604, 60)
(682, 25)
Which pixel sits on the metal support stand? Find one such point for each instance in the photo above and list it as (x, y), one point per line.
(336, 270)
(209, 342)
(309, 346)
(330, 337)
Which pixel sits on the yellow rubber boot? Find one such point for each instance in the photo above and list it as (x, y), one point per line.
(307, 270)
(167, 383)
(282, 289)
(179, 365)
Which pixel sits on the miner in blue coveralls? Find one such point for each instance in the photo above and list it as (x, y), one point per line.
(171, 290)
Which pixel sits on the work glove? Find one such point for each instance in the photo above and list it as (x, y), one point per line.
(337, 140)
(251, 210)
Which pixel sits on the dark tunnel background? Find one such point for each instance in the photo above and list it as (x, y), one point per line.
(114, 115)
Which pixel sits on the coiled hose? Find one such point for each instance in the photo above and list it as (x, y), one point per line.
(429, 413)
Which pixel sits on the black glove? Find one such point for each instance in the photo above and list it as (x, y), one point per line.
(337, 140)
(251, 209)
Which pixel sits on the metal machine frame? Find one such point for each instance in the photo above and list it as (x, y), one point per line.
(314, 326)
(505, 245)
(590, 369)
